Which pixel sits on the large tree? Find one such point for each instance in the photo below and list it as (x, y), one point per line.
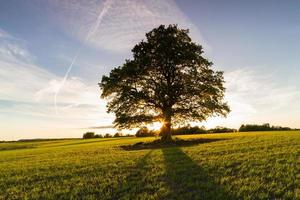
(167, 80)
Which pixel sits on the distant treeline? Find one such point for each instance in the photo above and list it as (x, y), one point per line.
(89, 135)
(189, 130)
(264, 127)
(185, 130)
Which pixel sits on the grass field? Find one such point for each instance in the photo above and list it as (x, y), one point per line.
(262, 165)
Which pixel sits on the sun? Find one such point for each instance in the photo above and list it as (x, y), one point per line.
(155, 126)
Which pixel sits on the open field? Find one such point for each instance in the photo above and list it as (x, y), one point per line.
(261, 165)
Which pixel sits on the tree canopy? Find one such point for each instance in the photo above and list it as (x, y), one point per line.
(167, 80)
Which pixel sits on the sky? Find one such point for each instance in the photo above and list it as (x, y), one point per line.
(53, 54)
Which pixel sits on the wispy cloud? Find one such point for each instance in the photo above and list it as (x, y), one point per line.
(113, 25)
(255, 97)
(4, 34)
(28, 90)
(123, 24)
(102, 127)
(258, 90)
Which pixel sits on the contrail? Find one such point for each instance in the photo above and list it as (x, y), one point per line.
(93, 29)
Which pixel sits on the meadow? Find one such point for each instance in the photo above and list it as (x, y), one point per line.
(258, 165)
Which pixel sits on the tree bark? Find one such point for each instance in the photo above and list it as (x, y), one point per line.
(166, 129)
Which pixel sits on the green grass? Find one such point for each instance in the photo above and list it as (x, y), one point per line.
(262, 165)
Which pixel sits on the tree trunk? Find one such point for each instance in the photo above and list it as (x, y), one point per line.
(166, 130)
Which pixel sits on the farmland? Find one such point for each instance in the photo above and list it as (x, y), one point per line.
(258, 165)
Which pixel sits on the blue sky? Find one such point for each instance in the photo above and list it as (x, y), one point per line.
(256, 43)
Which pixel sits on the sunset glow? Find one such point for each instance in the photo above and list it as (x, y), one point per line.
(53, 55)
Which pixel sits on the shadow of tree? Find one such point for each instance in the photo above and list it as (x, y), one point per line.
(187, 180)
(169, 174)
(134, 184)
(158, 144)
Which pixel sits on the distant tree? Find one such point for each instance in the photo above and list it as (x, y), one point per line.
(263, 127)
(88, 135)
(107, 135)
(220, 129)
(117, 135)
(168, 80)
(98, 136)
(188, 130)
(145, 132)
